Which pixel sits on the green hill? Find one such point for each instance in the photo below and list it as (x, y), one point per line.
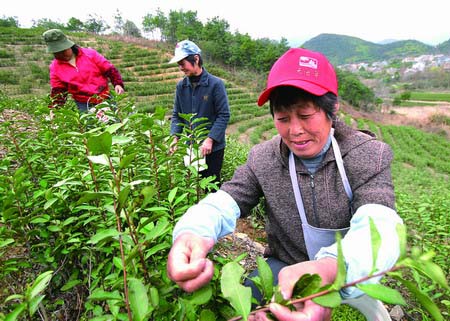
(345, 49)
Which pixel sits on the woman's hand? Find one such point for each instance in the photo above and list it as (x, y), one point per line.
(288, 277)
(206, 147)
(187, 264)
(119, 89)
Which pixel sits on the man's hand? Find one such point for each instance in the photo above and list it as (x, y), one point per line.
(187, 264)
(308, 311)
(207, 146)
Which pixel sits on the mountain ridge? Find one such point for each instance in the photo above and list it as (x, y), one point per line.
(342, 49)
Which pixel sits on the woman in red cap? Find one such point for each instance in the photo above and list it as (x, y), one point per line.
(81, 72)
(318, 177)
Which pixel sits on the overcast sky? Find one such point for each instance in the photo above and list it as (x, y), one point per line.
(295, 20)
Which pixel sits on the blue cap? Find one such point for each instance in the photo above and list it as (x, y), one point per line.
(183, 49)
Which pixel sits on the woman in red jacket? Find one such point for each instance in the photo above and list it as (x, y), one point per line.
(81, 72)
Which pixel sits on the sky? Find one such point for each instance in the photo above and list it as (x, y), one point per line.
(295, 20)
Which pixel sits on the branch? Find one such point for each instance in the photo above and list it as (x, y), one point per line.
(324, 292)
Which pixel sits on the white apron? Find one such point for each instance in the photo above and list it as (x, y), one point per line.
(316, 238)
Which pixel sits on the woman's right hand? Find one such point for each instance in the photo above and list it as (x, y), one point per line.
(173, 145)
(187, 264)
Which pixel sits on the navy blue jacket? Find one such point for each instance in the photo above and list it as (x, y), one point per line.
(208, 99)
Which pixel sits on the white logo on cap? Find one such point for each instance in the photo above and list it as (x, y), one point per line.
(308, 62)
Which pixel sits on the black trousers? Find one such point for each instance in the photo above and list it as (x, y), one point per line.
(214, 162)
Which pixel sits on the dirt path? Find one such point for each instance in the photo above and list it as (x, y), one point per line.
(417, 116)
(422, 113)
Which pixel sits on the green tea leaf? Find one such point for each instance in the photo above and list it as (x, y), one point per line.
(154, 297)
(156, 249)
(100, 144)
(6, 242)
(238, 295)
(341, 275)
(13, 316)
(383, 293)
(138, 299)
(121, 140)
(39, 284)
(402, 237)
(424, 300)
(118, 263)
(34, 304)
(428, 269)
(49, 203)
(308, 284)
(330, 300)
(172, 194)
(148, 192)
(201, 296)
(69, 285)
(126, 161)
(376, 243)
(123, 195)
(90, 196)
(99, 159)
(207, 315)
(278, 297)
(266, 278)
(114, 127)
(103, 235)
(101, 295)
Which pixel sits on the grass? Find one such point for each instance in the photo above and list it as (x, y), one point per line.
(430, 96)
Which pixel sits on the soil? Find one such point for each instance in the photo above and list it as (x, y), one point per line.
(416, 116)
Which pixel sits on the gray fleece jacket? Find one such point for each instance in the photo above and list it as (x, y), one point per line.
(266, 174)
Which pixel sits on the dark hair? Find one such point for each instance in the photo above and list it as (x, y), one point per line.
(284, 97)
(75, 49)
(191, 59)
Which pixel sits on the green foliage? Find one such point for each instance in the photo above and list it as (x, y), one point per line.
(9, 22)
(352, 90)
(103, 197)
(46, 23)
(74, 24)
(236, 50)
(95, 24)
(429, 96)
(30, 301)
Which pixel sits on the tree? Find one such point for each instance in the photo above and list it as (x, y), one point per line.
(95, 24)
(352, 90)
(216, 37)
(118, 22)
(9, 22)
(155, 23)
(75, 24)
(184, 25)
(131, 30)
(47, 24)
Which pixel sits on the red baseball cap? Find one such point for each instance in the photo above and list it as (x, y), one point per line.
(304, 69)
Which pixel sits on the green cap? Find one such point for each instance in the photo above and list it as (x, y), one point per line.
(56, 40)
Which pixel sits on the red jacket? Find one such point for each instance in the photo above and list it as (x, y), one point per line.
(89, 78)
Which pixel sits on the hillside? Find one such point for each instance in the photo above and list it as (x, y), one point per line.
(149, 80)
(342, 49)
